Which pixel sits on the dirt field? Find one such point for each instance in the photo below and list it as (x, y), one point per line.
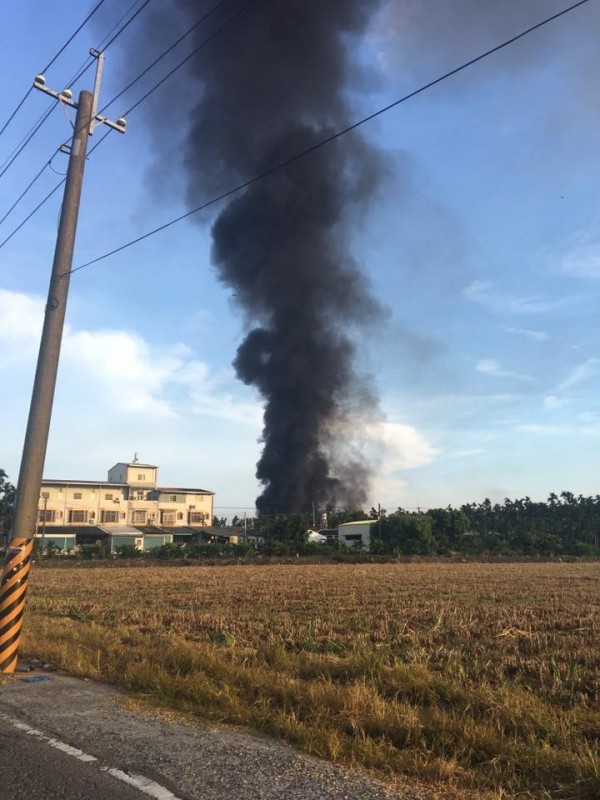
(482, 677)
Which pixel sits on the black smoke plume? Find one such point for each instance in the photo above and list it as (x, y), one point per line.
(274, 83)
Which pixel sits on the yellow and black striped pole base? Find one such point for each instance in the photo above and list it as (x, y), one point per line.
(12, 600)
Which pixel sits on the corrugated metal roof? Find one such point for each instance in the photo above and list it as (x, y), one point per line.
(120, 530)
(75, 530)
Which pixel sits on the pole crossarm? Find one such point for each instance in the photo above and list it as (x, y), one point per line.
(66, 97)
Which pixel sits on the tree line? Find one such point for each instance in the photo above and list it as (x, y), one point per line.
(564, 524)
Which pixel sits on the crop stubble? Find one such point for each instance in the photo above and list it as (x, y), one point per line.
(482, 676)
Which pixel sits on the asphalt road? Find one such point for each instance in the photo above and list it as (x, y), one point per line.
(74, 740)
(31, 770)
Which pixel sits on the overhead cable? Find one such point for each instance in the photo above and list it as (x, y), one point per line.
(24, 142)
(196, 24)
(302, 154)
(104, 44)
(111, 36)
(31, 213)
(24, 192)
(49, 64)
(178, 66)
(165, 53)
(328, 139)
(47, 197)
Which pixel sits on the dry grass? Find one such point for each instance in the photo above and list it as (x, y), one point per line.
(484, 677)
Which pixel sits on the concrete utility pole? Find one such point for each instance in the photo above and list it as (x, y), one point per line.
(13, 584)
(38, 425)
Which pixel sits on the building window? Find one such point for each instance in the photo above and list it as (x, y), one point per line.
(47, 516)
(172, 498)
(77, 495)
(110, 516)
(139, 517)
(108, 496)
(77, 516)
(141, 496)
(45, 495)
(180, 515)
(141, 477)
(167, 517)
(196, 517)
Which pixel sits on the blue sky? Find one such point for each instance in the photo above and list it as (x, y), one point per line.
(483, 244)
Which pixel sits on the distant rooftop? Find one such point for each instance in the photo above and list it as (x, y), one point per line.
(108, 484)
(175, 489)
(136, 463)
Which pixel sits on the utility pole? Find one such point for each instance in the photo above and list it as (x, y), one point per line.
(13, 585)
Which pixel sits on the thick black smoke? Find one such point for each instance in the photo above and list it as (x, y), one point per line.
(276, 82)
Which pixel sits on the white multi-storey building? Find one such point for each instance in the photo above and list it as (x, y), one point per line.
(128, 508)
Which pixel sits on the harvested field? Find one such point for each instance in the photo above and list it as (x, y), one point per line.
(483, 677)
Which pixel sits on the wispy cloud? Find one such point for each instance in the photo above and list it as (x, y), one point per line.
(556, 431)
(474, 451)
(488, 366)
(452, 408)
(582, 372)
(552, 402)
(581, 255)
(485, 295)
(537, 336)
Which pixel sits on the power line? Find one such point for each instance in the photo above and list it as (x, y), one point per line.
(46, 198)
(31, 184)
(327, 140)
(31, 213)
(11, 154)
(47, 67)
(181, 63)
(82, 70)
(73, 35)
(165, 53)
(102, 46)
(213, 35)
(25, 141)
(126, 25)
(297, 156)
(27, 188)
(203, 44)
(14, 113)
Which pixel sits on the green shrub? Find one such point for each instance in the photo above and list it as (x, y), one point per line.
(128, 551)
(167, 551)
